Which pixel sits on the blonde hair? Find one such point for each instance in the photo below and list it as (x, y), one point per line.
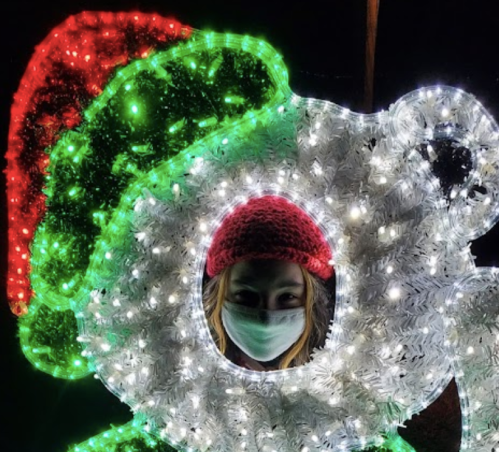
(316, 317)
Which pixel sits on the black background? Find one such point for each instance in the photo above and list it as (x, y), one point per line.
(419, 43)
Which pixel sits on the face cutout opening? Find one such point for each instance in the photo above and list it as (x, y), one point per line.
(268, 287)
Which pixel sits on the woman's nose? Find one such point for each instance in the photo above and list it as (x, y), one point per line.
(268, 302)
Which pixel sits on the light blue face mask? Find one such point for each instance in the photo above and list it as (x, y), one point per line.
(261, 334)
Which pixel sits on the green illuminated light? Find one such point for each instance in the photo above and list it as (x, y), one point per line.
(48, 340)
(237, 100)
(71, 148)
(177, 126)
(127, 87)
(208, 122)
(56, 245)
(135, 109)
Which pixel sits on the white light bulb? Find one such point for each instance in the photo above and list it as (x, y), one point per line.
(389, 269)
(394, 293)
(355, 213)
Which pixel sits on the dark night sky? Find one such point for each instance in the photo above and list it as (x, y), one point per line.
(419, 43)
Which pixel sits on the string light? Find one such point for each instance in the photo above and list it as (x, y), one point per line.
(209, 193)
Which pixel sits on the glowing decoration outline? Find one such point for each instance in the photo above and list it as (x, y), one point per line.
(163, 175)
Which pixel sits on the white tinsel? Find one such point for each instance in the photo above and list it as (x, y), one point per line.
(400, 253)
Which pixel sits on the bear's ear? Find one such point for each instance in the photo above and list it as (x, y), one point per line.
(457, 142)
(148, 112)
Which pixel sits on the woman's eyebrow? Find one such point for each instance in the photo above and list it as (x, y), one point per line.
(280, 284)
(283, 284)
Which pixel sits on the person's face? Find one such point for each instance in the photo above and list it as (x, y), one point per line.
(267, 284)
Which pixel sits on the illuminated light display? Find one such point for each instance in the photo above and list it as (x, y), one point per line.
(49, 340)
(131, 437)
(136, 437)
(135, 124)
(371, 183)
(68, 69)
(130, 215)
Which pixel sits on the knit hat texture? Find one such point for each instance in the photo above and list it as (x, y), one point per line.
(269, 227)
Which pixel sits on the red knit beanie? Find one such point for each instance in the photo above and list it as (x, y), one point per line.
(269, 227)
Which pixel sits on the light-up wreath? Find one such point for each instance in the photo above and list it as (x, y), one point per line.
(398, 194)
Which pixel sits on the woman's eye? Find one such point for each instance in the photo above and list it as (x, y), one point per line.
(288, 299)
(246, 297)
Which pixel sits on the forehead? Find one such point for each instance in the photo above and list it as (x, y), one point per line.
(266, 271)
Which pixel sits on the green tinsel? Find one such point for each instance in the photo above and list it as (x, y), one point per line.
(146, 122)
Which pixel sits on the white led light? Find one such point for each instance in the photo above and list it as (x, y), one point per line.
(355, 213)
(394, 293)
